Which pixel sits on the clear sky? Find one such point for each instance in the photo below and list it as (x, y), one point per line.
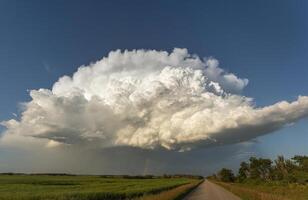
(263, 41)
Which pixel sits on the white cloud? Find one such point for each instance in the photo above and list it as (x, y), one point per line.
(149, 99)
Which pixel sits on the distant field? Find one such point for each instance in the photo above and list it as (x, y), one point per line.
(270, 191)
(35, 187)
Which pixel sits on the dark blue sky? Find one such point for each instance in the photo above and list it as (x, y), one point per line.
(264, 41)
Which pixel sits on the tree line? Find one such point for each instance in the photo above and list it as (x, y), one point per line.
(263, 169)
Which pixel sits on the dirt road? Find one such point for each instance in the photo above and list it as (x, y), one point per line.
(210, 191)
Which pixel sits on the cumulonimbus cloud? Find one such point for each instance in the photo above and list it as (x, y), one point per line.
(149, 99)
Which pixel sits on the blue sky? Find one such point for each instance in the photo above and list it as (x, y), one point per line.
(264, 41)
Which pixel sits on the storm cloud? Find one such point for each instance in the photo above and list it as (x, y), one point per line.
(150, 100)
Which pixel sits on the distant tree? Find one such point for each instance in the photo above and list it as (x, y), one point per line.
(265, 168)
(290, 165)
(243, 172)
(302, 162)
(212, 177)
(283, 168)
(254, 168)
(260, 168)
(280, 170)
(226, 175)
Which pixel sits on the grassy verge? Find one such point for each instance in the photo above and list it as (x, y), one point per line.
(173, 194)
(267, 191)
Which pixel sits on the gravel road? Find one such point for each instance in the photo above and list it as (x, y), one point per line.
(210, 191)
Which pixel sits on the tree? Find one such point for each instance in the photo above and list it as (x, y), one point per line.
(213, 177)
(260, 168)
(302, 162)
(226, 175)
(243, 172)
(280, 169)
(283, 168)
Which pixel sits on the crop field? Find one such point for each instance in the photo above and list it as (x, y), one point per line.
(35, 187)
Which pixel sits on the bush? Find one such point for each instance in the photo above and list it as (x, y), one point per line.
(226, 175)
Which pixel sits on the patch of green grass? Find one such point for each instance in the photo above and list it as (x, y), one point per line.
(35, 187)
(250, 190)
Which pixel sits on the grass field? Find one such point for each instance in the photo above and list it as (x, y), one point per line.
(35, 187)
(268, 191)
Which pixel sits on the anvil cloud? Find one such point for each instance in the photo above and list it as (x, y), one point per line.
(149, 99)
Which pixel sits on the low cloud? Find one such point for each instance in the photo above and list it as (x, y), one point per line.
(148, 99)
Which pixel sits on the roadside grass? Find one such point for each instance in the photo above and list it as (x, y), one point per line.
(173, 194)
(269, 191)
(37, 187)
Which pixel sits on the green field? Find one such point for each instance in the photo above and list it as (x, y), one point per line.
(35, 187)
